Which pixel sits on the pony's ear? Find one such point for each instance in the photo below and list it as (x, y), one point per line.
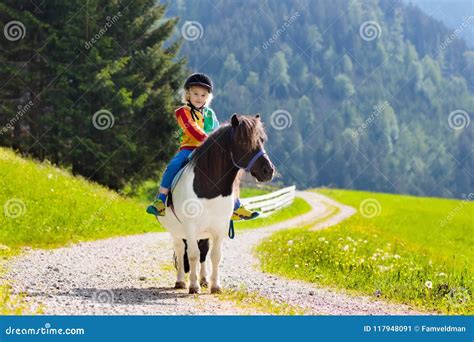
(257, 116)
(235, 120)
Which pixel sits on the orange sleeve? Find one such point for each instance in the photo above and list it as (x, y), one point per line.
(189, 126)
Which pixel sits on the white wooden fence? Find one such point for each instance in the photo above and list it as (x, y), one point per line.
(269, 203)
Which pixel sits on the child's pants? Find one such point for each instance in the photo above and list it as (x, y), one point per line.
(173, 167)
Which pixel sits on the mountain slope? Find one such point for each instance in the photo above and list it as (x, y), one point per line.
(360, 94)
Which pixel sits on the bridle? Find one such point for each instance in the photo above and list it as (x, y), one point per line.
(261, 152)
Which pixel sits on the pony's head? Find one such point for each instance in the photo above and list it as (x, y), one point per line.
(247, 147)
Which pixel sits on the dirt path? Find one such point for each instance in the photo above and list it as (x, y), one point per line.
(133, 275)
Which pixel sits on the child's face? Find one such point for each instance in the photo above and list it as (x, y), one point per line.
(198, 96)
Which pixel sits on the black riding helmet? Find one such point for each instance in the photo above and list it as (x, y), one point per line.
(198, 79)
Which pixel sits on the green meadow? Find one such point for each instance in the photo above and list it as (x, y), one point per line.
(404, 249)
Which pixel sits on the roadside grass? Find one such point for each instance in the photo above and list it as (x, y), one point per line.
(253, 300)
(251, 192)
(405, 249)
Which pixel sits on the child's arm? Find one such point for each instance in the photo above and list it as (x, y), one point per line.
(189, 126)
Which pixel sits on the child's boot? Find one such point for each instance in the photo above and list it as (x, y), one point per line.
(241, 213)
(157, 208)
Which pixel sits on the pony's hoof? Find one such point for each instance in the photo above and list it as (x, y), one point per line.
(204, 282)
(180, 285)
(194, 290)
(216, 289)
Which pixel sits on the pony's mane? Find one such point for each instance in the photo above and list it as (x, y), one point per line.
(213, 154)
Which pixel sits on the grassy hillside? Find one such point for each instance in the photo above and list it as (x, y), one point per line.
(43, 206)
(408, 249)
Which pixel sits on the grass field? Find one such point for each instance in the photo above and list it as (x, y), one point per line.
(403, 248)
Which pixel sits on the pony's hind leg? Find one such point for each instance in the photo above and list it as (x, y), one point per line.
(216, 259)
(203, 249)
(179, 254)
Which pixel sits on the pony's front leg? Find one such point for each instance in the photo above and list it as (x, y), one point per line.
(203, 275)
(216, 259)
(179, 251)
(193, 256)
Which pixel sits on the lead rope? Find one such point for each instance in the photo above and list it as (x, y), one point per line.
(231, 229)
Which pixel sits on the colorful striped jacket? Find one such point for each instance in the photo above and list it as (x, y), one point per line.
(195, 125)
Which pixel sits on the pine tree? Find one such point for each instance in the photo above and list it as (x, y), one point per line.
(105, 78)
